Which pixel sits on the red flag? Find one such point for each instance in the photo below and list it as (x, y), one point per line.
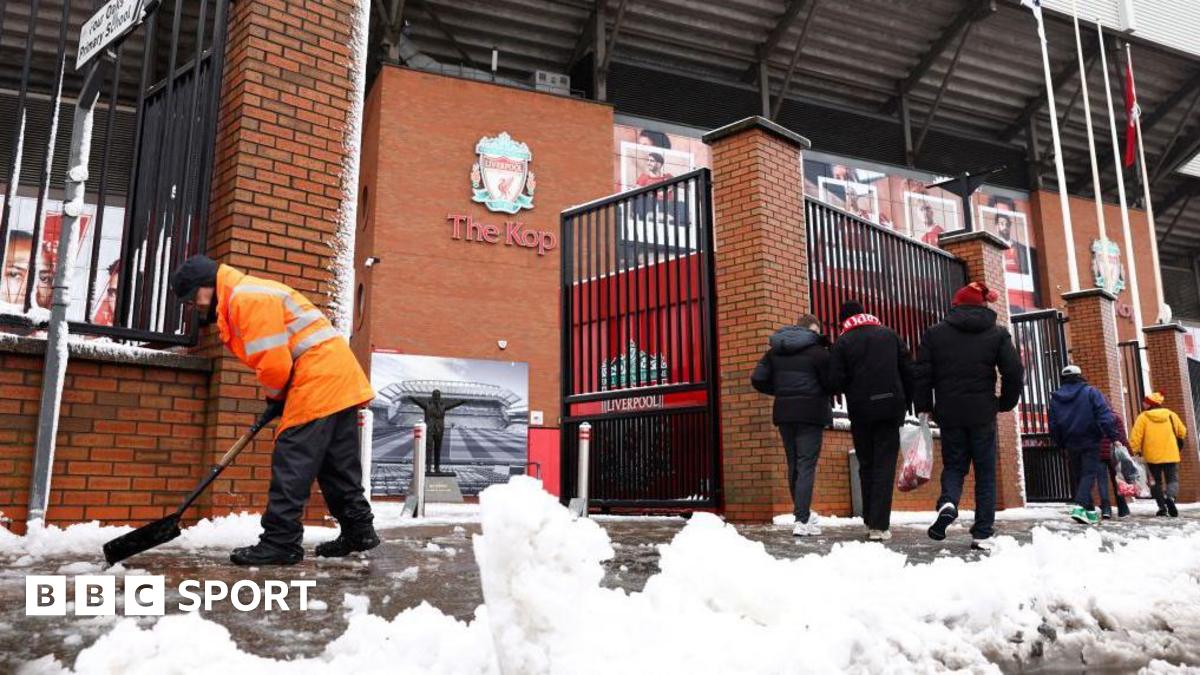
(1132, 112)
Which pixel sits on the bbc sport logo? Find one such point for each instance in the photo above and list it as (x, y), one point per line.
(145, 595)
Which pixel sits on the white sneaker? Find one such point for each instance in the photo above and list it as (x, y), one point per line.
(879, 535)
(809, 529)
(982, 544)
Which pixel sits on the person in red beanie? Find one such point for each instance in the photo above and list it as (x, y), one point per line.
(956, 371)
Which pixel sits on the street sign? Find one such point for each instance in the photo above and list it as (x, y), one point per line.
(111, 22)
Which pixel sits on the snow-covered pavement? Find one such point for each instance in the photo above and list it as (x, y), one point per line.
(538, 592)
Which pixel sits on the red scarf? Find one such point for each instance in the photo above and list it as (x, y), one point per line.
(859, 320)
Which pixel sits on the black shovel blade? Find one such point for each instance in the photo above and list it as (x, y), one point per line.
(144, 538)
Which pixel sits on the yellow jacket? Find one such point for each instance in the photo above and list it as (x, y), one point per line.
(280, 334)
(1154, 436)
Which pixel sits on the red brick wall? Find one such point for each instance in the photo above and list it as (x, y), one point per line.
(437, 296)
(286, 99)
(1169, 375)
(1052, 255)
(129, 440)
(1092, 336)
(762, 283)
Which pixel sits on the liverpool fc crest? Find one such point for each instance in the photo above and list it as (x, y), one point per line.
(1107, 269)
(501, 179)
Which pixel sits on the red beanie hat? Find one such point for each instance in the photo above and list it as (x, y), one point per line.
(975, 293)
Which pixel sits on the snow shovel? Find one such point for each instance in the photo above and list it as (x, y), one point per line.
(163, 530)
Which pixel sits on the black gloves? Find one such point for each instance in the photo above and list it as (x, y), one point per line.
(274, 409)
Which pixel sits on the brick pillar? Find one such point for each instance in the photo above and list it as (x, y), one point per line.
(1169, 375)
(762, 283)
(1092, 333)
(287, 95)
(983, 254)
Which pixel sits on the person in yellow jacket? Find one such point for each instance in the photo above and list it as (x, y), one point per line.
(1156, 436)
(312, 379)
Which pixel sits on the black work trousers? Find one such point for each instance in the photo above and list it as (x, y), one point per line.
(328, 450)
(876, 444)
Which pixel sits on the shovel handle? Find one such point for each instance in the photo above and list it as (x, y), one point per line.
(226, 460)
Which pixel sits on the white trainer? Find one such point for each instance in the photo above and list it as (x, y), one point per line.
(879, 535)
(982, 544)
(809, 529)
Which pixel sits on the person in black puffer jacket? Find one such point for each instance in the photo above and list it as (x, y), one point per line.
(795, 370)
(871, 365)
(956, 381)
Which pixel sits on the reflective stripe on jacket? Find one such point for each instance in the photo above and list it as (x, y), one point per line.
(276, 331)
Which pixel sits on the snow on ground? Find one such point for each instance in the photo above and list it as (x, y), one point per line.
(722, 604)
(1141, 507)
(221, 533)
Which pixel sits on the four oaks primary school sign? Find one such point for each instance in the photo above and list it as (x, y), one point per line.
(111, 22)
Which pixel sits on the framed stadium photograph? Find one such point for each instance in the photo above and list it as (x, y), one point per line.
(485, 430)
(860, 199)
(928, 217)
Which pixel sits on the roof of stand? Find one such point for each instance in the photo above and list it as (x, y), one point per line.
(855, 56)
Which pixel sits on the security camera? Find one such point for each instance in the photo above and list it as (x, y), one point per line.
(372, 261)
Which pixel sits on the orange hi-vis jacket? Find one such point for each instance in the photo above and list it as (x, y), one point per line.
(276, 331)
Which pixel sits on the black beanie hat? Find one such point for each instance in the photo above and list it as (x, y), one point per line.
(195, 273)
(849, 309)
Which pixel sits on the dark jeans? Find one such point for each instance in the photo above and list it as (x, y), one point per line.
(1164, 475)
(326, 449)
(802, 444)
(1105, 502)
(876, 444)
(962, 448)
(1086, 465)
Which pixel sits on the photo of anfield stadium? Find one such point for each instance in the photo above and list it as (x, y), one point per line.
(485, 437)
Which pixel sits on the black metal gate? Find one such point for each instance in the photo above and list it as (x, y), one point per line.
(1132, 382)
(638, 346)
(1042, 343)
(149, 172)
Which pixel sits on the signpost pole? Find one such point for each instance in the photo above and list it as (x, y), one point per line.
(98, 39)
(55, 365)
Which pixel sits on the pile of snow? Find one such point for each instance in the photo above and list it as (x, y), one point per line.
(722, 604)
(209, 534)
(1141, 507)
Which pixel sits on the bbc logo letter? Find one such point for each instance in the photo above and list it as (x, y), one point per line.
(94, 595)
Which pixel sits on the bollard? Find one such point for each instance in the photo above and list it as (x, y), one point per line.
(414, 501)
(365, 427)
(579, 505)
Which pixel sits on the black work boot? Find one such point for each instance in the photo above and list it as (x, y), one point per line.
(263, 553)
(1172, 510)
(349, 541)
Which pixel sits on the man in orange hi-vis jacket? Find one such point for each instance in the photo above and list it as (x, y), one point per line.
(312, 379)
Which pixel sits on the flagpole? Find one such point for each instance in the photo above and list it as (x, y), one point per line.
(1087, 108)
(1068, 230)
(1164, 313)
(1130, 263)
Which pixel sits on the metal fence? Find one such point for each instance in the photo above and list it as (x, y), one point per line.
(1042, 344)
(906, 283)
(639, 345)
(1132, 383)
(149, 172)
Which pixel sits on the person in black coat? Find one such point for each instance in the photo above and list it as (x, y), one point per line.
(795, 370)
(870, 364)
(957, 365)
